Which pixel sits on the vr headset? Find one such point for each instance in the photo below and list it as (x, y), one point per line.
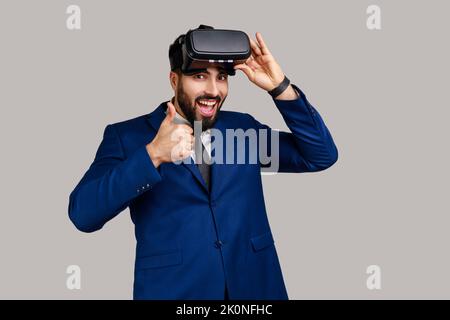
(205, 47)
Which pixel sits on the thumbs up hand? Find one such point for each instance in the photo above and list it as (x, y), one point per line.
(173, 142)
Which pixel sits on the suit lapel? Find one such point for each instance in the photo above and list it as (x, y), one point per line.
(191, 166)
(217, 169)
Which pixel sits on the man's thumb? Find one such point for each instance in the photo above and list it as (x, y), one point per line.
(170, 112)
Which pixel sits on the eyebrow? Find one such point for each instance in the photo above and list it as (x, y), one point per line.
(221, 71)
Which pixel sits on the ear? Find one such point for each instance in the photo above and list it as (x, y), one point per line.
(173, 78)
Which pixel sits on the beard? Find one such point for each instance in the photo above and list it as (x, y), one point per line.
(190, 111)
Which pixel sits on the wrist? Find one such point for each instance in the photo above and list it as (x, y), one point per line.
(280, 88)
(152, 151)
(289, 94)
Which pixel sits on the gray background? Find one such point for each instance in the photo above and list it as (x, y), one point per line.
(381, 94)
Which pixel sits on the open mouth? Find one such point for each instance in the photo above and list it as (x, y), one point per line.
(207, 107)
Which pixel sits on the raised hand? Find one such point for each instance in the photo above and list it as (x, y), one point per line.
(261, 67)
(173, 142)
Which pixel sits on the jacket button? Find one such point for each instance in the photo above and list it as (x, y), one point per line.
(219, 244)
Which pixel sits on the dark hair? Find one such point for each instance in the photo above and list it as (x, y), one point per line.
(175, 53)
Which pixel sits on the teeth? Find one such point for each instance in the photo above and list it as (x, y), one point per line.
(207, 102)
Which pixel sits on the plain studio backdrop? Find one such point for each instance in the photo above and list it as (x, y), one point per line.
(380, 92)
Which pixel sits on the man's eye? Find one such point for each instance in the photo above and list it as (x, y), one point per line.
(199, 76)
(223, 77)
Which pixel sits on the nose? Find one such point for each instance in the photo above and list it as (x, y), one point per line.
(211, 88)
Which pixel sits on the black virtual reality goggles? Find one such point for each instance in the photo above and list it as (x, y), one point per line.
(205, 47)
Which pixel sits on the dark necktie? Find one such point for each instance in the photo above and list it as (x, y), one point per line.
(203, 162)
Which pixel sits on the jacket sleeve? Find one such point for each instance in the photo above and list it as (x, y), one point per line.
(110, 183)
(309, 146)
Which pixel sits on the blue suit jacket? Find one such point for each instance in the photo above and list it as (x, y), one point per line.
(192, 242)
